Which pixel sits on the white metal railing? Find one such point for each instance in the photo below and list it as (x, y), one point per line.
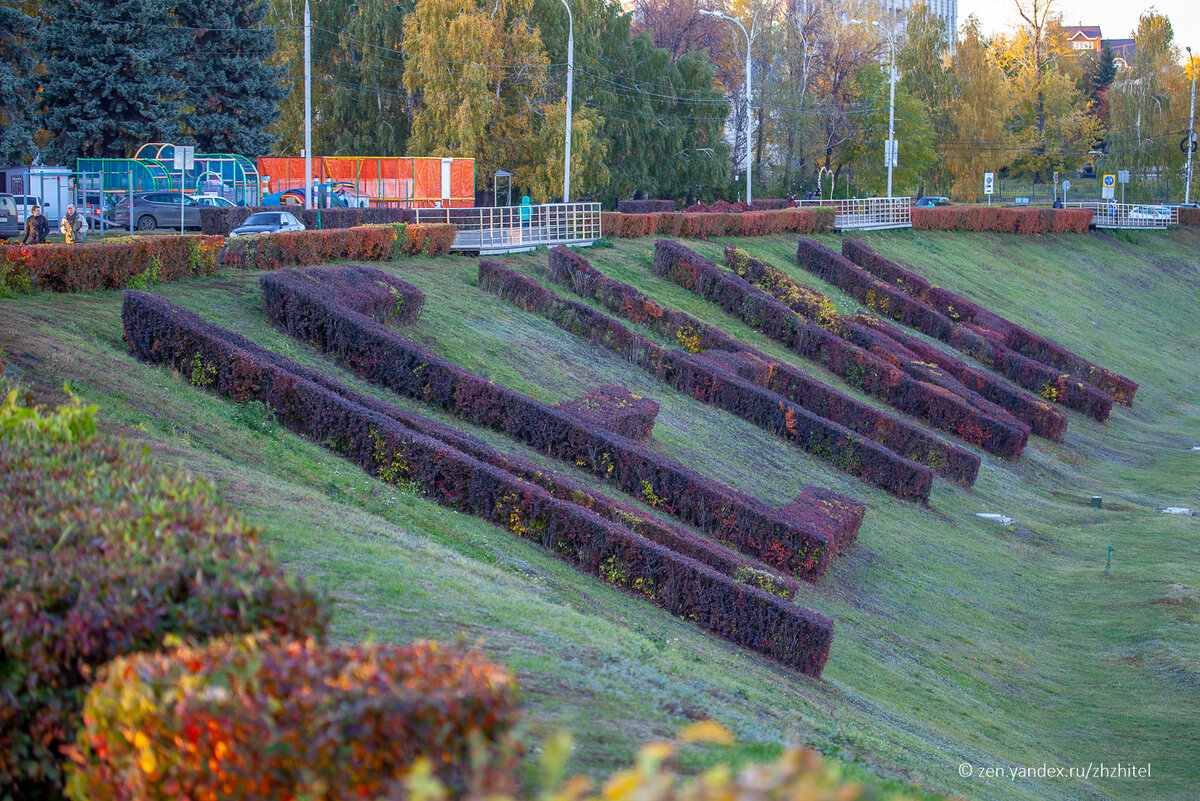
(494, 229)
(1109, 214)
(868, 213)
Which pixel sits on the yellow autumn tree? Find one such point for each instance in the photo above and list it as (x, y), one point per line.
(979, 142)
(477, 71)
(589, 175)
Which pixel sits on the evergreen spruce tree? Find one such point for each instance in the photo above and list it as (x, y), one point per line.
(231, 94)
(111, 81)
(16, 86)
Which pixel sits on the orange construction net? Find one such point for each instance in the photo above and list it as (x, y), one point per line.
(393, 181)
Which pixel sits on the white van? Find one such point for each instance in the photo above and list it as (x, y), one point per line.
(24, 204)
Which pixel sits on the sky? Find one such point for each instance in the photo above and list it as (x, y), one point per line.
(1116, 18)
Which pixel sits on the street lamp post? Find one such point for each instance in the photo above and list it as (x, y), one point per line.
(749, 76)
(307, 108)
(1187, 192)
(889, 150)
(570, 86)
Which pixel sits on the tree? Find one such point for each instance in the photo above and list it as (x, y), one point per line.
(17, 99)
(922, 65)
(109, 85)
(478, 73)
(978, 142)
(231, 94)
(917, 152)
(589, 175)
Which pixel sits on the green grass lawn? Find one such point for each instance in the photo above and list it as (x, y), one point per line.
(956, 640)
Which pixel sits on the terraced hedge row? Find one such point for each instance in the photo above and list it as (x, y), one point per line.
(569, 269)
(704, 225)
(298, 302)
(867, 371)
(709, 383)
(1002, 219)
(221, 220)
(615, 409)
(1048, 383)
(107, 264)
(161, 332)
(989, 426)
(956, 308)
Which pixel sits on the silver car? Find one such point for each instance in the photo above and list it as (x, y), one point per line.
(267, 222)
(154, 210)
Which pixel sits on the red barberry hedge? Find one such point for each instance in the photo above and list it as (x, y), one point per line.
(614, 409)
(220, 221)
(252, 718)
(1050, 384)
(311, 310)
(162, 332)
(644, 206)
(109, 264)
(709, 383)
(430, 239)
(103, 552)
(959, 309)
(869, 372)
(1189, 216)
(1001, 219)
(704, 225)
(724, 352)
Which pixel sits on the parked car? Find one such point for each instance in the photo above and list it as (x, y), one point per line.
(926, 202)
(25, 203)
(154, 210)
(268, 222)
(1158, 214)
(212, 201)
(9, 227)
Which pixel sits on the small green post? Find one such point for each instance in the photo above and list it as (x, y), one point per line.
(1108, 564)
(1097, 501)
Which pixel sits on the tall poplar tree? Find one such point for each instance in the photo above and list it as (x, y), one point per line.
(110, 82)
(231, 93)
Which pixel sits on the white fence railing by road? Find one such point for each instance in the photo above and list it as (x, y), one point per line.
(499, 229)
(870, 213)
(1107, 214)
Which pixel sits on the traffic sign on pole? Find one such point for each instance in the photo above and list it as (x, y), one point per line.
(989, 183)
(1107, 186)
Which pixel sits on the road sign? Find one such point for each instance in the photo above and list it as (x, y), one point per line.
(891, 154)
(185, 157)
(989, 183)
(1067, 186)
(1110, 181)
(1123, 176)
(1056, 177)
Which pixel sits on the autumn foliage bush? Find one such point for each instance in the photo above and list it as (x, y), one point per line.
(644, 206)
(1189, 216)
(985, 347)
(615, 409)
(221, 220)
(253, 718)
(958, 309)
(709, 383)
(726, 353)
(310, 309)
(1001, 219)
(430, 239)
(162, 332)
(103, 553)
(107, 264)
(704, 225)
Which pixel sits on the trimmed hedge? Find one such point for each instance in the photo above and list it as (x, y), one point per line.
(959, 309)
(993, 429)
(249, 718)
(220, 221)
(702, 226)
(861, 368)
(1189, 216)
(159, 331)
(709, 383)
(103, 552)
(644, 206)
(366, 243)
(967, 338)
(1001, 219)
(309, 309)
(569, 269)
(108, 264)
(614, 409)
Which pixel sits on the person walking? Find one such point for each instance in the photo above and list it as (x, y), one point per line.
(73, 226)
(36, 228)
(526, 211)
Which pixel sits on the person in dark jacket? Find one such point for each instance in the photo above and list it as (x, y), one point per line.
(36, 228)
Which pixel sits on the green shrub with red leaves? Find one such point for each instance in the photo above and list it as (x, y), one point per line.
(704, 225)
(103, 553)
(253, 718)
(129, 261)
(430, 239)
(364, 243)
(1002, 219)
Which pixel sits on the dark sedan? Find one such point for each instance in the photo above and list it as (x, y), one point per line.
(268, 222)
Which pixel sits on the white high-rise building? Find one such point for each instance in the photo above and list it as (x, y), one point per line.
(895, 12)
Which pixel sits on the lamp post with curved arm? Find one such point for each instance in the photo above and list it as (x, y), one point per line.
(570, 86)
(889, 151)
(738, 22)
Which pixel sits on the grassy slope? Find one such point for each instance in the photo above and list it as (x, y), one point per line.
(956, 640)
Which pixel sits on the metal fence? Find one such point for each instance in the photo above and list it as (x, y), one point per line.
(1107, 214)
(505, 229)
(867, 214)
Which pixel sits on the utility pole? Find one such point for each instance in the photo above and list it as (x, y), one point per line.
(749, 96)
(307, 107)
(570, 86)
(889, 149)
(1187, 192)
